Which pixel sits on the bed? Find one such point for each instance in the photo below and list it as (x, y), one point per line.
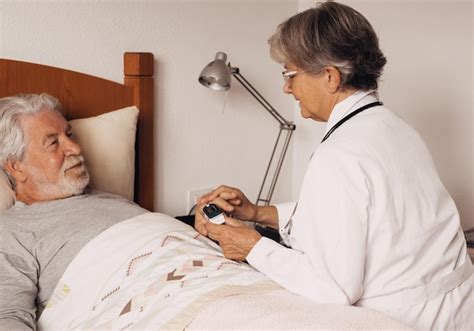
(189, 285)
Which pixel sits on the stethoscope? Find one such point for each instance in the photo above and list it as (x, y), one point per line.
(348, 117)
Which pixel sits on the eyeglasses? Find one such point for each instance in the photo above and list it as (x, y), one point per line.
(288, 75)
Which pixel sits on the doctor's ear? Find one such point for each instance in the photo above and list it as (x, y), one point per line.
(333, 79)
(15, 169)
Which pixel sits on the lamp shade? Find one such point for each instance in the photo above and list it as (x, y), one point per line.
(216, 75)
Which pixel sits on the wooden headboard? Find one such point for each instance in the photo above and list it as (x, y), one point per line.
(83, 96)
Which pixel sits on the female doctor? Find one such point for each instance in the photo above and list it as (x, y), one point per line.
(373, 225)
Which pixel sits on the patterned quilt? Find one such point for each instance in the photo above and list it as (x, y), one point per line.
(148, 272)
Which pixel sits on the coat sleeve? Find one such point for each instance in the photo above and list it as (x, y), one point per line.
(18, 285)
(326, 260)
(285, 210)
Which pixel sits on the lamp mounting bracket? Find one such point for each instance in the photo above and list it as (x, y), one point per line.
(288, 126)
(234, 70)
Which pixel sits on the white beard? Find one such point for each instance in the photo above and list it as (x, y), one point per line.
(67, 185)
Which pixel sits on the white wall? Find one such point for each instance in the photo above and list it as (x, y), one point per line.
(197, 146)
(428, 81)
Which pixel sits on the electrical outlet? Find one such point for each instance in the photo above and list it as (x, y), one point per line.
(193, 195)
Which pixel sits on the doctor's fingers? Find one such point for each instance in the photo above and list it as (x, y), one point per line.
(200, 222)
(223, 232)
(232, 197)
(232, 231)
(216, 192)
(233, 221)
(224, 204)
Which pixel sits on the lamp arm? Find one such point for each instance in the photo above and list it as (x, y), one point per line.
(268, 107)
(266, 200)
(285, 125)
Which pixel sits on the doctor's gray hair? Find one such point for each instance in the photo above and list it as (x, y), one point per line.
(331, 34)
(12, 139)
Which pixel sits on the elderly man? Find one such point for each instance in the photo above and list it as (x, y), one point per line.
(50, 221)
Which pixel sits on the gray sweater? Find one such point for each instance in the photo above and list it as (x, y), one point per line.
(37, 243)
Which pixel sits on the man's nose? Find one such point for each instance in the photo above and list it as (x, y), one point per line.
(72, 147)
(287, 87)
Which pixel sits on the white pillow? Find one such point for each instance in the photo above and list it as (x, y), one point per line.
(108, 145)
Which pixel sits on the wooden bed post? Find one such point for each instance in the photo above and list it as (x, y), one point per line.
(138, 74)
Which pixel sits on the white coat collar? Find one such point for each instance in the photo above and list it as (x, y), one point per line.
(350, 104)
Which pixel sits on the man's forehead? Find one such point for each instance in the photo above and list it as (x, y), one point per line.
(46, 116)
(47, 120)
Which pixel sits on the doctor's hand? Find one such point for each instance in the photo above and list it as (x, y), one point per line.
(235, 239)
(233, 202)
(200, 220)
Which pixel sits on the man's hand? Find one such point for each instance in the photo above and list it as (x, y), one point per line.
(232, 201)
(235, 239)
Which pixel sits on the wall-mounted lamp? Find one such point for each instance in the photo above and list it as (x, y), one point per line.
(217, 76)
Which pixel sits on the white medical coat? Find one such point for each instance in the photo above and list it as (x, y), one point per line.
(373, 226)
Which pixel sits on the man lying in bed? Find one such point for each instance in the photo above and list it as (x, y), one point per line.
(164, 269)
(52, 219)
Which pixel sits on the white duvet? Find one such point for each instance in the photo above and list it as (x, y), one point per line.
(153, 272)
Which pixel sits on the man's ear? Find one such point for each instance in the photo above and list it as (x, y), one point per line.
(15, 169)
(333, 79)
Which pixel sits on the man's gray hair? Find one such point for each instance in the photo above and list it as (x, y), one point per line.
(12, 140)
(331, 34)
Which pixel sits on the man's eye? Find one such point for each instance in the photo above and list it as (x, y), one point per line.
(53, 142)
(69, 134)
